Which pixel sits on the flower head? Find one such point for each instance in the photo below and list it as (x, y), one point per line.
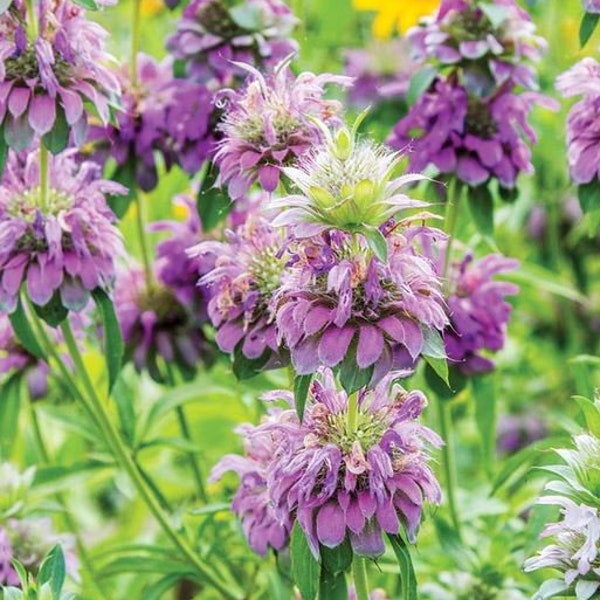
(479, 313)
(66, 245)
(516, 432)
(355, 476)
(269, 123)
(212, 35)
(264, 526)
(341, 306)
(246, 275)
(45, 80)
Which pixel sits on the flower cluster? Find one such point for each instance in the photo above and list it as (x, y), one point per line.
(63, 244)
(212, 35)
(472, 121)
(479, 313)
(45, 80)
(515, 432)
(356, 466)
(269, 124)
(583, 121)
(160, 114)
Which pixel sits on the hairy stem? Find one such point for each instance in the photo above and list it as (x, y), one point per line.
(359, 575)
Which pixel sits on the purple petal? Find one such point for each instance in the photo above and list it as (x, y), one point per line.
(370, 346)
(334, 344)
(268, 176)
(331, 525)
(42, 114)
(369, 542)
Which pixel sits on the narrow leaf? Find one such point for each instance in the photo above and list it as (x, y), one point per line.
(333, 587)
(213, 203)
(24, 332)
(440, 368)
(591, 414)
(377, 242)
(10, 405)
(58, 138)
(481, 206)
(246, 368)
(301, 388)
(589, 195)
(53, 313)
(337, 560)
(305, 568)
(3, 149)
(87, 4)
(114, 347)
(420, 83)
(587, 27)
(125, 175)
(53, 571)
(485, 416)
(407, 571)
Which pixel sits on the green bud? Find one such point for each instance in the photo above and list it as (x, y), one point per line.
(344, 144)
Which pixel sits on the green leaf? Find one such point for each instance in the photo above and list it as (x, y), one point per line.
(53, 313)
(587, 27)
(125, 175)
(589, 195)
(333, 587)
(87, 4)
(591, 413)
(376, 242)
(57, 139)
(337, 560)
(247, 16)
(508, 194)
(24, 332)
(496, 14)
(484, 393)
(10, 406)
(125, 400)
(420, 83)
(445, 391)
(440, 367)
(114, 348)
(213, 203)
(305, 567)
(246, 368)
(434, 353)
(12, 593)
(3, 148)
(481, 206)
(407, 571)
(53, 571)
(301, 389)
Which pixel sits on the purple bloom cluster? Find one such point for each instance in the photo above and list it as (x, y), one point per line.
(591, 6)
(213, 34)
(68, 246)
(382, 71)
(342, 475)
(46, 80)
(479, 313)
(159, 114)
(339, 304)
(583, 121)
(515, 432)
(246, 275)
(269, 123)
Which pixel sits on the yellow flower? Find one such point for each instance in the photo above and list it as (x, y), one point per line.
(396, 15)
(152, 7)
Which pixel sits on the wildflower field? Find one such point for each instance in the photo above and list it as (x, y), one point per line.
(299, 299)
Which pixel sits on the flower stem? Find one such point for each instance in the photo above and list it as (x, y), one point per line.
(353, 411)
(455, 190)
(69, 521)
(124, 457)
(359, 574)
(136, 26)
(32, 24)
(143, 238)
(44, 190)
(448, 460)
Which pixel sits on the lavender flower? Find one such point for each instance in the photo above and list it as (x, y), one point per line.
(159, 331)
(214, 34)
(583, 121)
(516, 432)
(340, 306)
(359, 475)
(382, 71)
(499, 38)
(474, 138)
(269, 125)
(45, 81)
(66, 246)
(591, 6)
(246, 275)
(8, 575)
(479, 313)
(264, 526)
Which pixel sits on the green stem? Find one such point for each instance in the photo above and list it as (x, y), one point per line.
(44, 191)
(359, 575)
(448, 460)
(136, 26)
(143, 238)
(70, 524)
(455, 190)
(124, 457)
(353, 411)
(186, 433)
(32, 24)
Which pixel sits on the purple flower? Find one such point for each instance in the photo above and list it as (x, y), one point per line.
(474, 138)
(591, 6)
(8, 575)
(381, 71)
(358, 476)
(490, 42)
(515, 432)
(340, 306)
(46, 80)
(247, 274)
(264, 525)
(268, 125)
(576, 551)
(67, 246)
(583, 121)
(212, 34)
(160, 114)
(159, 331)
(479, 313)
